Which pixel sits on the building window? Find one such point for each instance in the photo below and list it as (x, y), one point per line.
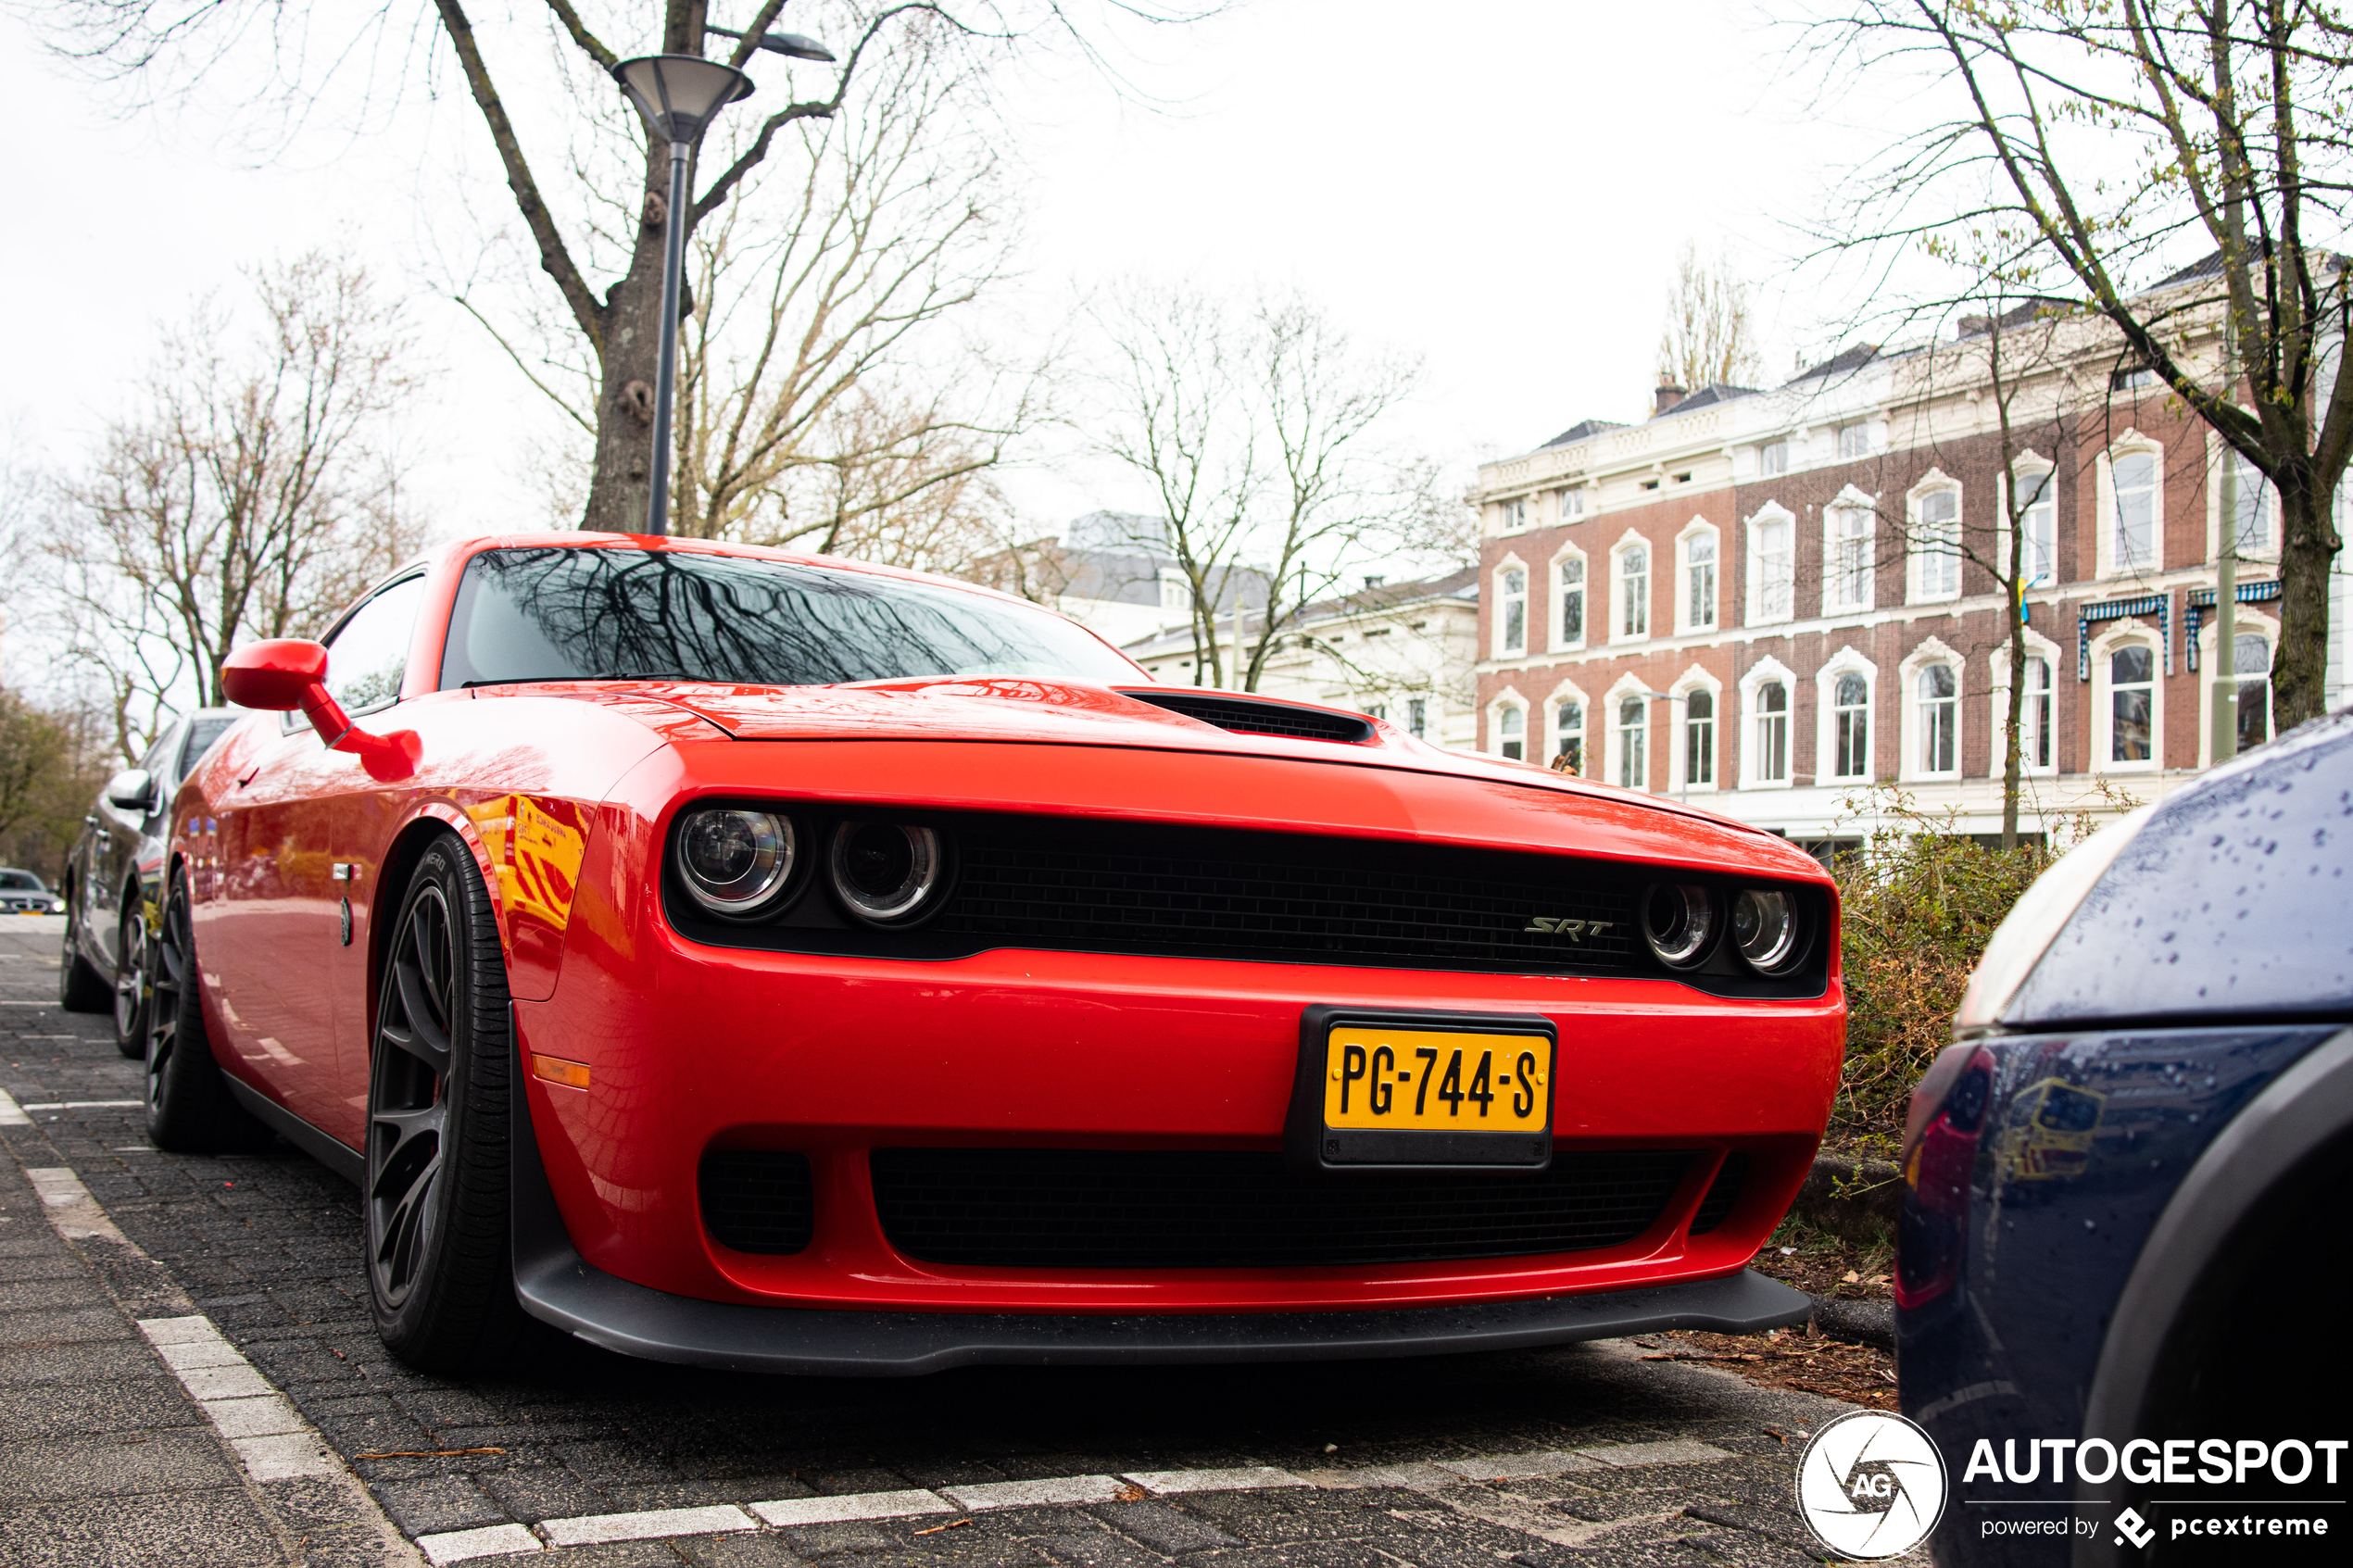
(1572, 504)
(1853, 440)
(2034, 716)
(1773, 458)
(1847, 583)
(1772, 732)
(1937, 550)
(2254, 507)
(2131, 379)
(1633, 767)
(2131, 698)
(1417, 716)
(1939, 720)
(1377, 711)
(2039, 514)
(2134, 479)
(1514, 515)
(1512, 609)
(1572, 601)
(1851, 728)
(1698, 582)
(2251, 661)
(1699, 738)
(1774, 566)
(1634, 591)
(1568, 737)
(1511, 724)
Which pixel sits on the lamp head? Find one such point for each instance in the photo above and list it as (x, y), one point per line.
(680, 94)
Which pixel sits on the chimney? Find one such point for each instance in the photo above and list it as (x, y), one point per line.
(1669, 395)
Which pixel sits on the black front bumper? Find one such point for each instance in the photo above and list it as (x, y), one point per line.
(557, 1286)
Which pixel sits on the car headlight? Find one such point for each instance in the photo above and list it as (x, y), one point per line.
(887, 873)
(1678, 920)
(2033, 922)
(734, 862)
(1766, 929)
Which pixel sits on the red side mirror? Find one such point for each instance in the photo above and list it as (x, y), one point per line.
(274, 676)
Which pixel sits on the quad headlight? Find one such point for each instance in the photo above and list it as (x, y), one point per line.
(1679, 921)
(887, 873)
(1765, 929)
(735, 862)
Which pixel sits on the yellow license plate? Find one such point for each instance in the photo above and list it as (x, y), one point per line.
(1426, 1080)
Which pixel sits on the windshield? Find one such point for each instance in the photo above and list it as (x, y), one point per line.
(20, 882)
(567, 613)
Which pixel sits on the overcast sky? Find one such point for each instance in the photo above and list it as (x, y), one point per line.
(1500, 188)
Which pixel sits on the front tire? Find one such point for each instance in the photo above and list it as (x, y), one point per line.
(189, 1109)
(440, 1273)
(81, 988)
(131, 983)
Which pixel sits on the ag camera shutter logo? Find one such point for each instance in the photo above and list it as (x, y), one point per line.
(1870, 1485)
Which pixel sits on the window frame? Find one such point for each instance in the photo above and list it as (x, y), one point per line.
(1997, 664)
(1698, 532)
(1629, 767)
(1561, 558)
(2126, 633)
(1696, 682)
(1507, 702)
(1501, 647)
(2107, 558)
(1846, 662)
(1920, 552)
(2248, 621)
(2218, 453)
(1771, 515)
(2028, 465)
(1623, 604)
(1833, 573)
(1568, 695)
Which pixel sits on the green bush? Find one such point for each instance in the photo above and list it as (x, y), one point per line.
(1918, 901)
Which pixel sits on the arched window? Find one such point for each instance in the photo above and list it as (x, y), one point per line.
(1847, 581)
(1511, 610)
(2132, 696)
(2038, 514)
(1633, 766)
(1568, 737)
(1634, 591)
(1698, 582)
(1772, 732)
(1699, 738)
(1773, 569)
(1939, 720)
(1511, 726)
(1937, 548)
(2254, 508)
(2251, 661)
(1851, 727)
(2034, 716)
(1572, 601)
(2134, 478)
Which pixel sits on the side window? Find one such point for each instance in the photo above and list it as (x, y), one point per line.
(369, 653)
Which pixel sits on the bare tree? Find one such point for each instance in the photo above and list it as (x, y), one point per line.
(252, 493)
(1709, 336)
(1263, 433)
(2119, 144)
(184, 39)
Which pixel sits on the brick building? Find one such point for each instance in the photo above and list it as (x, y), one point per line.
(1768, 599)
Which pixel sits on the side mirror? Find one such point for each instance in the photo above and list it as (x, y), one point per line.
(133, 789)
(285, 673)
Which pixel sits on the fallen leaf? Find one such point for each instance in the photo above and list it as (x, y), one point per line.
(1850, 1277)
(1132, 1493)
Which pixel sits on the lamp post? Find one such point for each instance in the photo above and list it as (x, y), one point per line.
(679, 95)
(1684, 793)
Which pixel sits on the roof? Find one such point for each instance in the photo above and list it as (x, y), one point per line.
(1844, 362)
(1708, 397)
(1581, 430)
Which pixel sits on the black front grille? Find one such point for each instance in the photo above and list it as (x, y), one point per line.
(1119, 888)
(1100, 1209)
(757, 1199)
(1723, 1194)
(1252, 716)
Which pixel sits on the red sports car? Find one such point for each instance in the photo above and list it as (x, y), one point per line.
(781, 963)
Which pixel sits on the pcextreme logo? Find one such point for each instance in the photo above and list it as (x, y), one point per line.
(1870, 1485)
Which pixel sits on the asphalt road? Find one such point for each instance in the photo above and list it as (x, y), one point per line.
(1584, 1454)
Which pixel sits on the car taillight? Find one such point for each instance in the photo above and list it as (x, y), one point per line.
(1939, 1154)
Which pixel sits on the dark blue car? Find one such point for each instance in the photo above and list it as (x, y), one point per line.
(2123, 1283)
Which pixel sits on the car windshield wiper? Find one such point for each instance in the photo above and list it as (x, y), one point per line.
(600, 675)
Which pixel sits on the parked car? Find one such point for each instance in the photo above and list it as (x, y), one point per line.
(779, 963)
(21, 893)
(2124, 1182)
(113, 875)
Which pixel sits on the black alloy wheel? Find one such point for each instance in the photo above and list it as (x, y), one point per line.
(81, 988)
(438, 1269)
(131, 982)
(189, 1109)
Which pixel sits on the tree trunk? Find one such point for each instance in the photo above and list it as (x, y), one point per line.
(632, 322)
(2308, 550)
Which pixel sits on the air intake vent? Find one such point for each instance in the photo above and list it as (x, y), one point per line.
(1723, 1194)
(1110, 1209)
(757, 1199)
(1255, 716)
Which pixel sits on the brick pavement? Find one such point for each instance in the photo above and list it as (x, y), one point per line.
(266, 1248)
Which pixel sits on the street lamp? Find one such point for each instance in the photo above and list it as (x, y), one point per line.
(1684, 793)
(679, 95)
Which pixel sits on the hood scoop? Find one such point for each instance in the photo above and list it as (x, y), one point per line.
(1256, 716)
